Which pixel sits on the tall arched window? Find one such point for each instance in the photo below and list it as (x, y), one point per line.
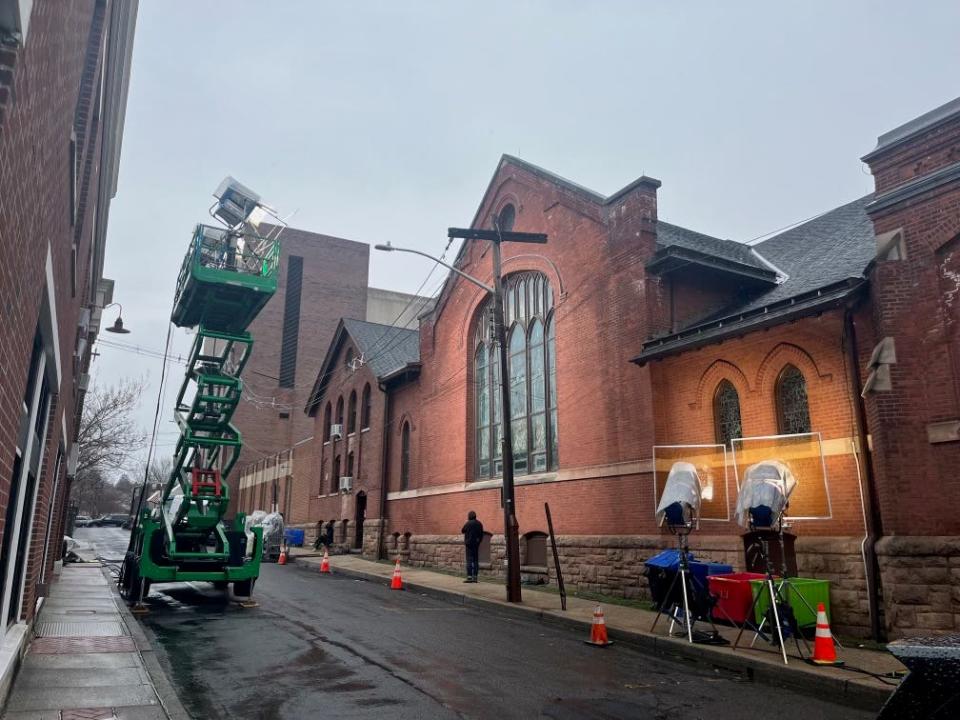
(405, 456)
(365, 407)
(340, 411)
(350, 464)
(352, 412)
(726, 413)
(532, 380)
(326, 422)
(335, 480)
(793, 408)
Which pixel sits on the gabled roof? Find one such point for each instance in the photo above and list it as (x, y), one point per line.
(824, 260)
(385, 349)
(678, 247)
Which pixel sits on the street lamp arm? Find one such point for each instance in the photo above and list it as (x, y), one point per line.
(390, 248)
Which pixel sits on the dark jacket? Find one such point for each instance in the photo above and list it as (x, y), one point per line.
(472, 533)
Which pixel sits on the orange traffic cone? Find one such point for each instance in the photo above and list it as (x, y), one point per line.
(598, 630)
(824, 653)
(325, 563)
(282, 560)
(397, 582)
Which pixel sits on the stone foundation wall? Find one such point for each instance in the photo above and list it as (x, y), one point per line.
(614, 565)
(921, 584)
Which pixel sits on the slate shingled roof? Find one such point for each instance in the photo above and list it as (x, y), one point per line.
(386, 350)
(824, 260)
(669, 235)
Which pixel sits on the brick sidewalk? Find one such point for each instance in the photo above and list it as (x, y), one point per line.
(629, 624)
(87, 658)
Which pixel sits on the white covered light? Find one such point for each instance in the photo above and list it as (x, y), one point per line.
(767, 485)
(680, 501)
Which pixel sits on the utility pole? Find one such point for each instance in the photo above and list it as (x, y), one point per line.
(496, 237)
(510, 526)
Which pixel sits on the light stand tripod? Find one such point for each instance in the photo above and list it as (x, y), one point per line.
(777, 591)
(687, 589)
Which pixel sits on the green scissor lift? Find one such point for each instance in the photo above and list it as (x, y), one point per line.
(226, 279)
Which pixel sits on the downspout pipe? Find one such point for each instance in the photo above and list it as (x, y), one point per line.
(873, 516)
(384, 464)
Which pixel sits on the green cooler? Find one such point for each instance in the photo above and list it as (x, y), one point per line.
(813, 591)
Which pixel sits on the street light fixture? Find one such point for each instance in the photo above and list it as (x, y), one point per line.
(117, 326)
(496, 237)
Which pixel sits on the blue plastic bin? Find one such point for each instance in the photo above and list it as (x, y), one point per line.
(293, 537)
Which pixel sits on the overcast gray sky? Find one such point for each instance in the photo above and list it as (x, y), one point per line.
(385, 120)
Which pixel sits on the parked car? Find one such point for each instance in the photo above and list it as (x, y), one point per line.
(82, 521)
(120, 520)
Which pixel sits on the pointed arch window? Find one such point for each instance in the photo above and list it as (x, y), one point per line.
(327, 415)
(366, 408)
(352, 413)
(340, 411)
(532, 380)
(726, 413)
(335, 480)
(405, 456)
(793, 407)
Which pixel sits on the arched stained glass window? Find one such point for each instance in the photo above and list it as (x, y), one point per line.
(726, 413)
(532, 378)
(793, 408)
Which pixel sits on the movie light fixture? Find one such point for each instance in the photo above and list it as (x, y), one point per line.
(679, 510)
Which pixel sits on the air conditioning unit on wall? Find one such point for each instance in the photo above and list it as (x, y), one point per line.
(346, 484)
(336, 431)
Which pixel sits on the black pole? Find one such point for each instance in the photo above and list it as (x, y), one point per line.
(510, 528)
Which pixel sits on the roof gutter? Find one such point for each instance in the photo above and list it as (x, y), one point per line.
(736, 325)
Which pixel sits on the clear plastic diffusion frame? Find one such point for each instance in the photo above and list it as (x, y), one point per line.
(711, 464)
(803, 454)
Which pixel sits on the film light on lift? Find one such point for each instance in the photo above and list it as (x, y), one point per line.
(679, 511)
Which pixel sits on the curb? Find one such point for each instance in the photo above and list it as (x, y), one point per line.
(841, 690)
(162, 686)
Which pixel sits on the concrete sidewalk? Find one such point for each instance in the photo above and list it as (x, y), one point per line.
(89, 658)
(632, 625)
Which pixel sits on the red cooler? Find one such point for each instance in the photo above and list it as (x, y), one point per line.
(734, 595)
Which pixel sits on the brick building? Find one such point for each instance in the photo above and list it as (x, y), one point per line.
(832, 345)
(64, 70)
(322, 279)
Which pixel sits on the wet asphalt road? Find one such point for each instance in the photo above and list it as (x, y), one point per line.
(333, 647)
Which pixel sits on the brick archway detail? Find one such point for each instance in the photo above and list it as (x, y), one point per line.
(945, 233)
(720, 370)
(511, 266)
(782, 355)
(405, 418)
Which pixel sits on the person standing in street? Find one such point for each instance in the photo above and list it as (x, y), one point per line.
(472, 537)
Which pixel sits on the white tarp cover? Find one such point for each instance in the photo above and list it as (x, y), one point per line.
(768, 483)
(272, 524)
(683, 486)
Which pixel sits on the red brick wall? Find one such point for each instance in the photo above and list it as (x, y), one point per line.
(594, 261)
(685, 387)
(47, 88)
(915, 302)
